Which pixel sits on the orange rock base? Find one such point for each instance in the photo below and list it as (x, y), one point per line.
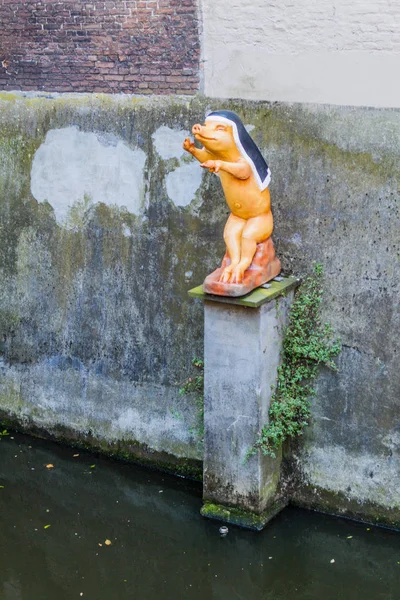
(265, 266)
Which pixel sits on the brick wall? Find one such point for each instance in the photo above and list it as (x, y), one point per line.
(132, 46)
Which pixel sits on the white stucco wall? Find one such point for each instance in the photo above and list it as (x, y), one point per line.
(338, 52)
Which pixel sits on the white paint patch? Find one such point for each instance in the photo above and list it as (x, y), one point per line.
(183, 183)
(168, 142)
(71, 165)
(249, 128)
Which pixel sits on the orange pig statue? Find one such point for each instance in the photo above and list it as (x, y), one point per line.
(229, 151)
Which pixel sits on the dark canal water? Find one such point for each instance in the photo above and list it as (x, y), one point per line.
(53, 520)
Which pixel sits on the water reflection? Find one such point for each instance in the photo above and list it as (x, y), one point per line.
(161, 547)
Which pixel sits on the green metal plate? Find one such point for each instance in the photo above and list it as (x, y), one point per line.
(256, 298)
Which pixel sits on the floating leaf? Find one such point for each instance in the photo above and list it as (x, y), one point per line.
(349, 537)
(1, 487)
(46, 526)
(92, 466)
(108, 542)
(332, 561)
(49, 466)
(75, 455)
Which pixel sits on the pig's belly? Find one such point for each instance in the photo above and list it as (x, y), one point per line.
(247, 205)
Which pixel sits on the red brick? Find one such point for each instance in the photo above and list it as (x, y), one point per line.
(65, 44)
(132, 78)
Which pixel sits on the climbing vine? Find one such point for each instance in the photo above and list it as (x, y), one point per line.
(307, 344)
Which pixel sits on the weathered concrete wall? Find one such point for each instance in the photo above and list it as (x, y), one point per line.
(97, 328)
(104, 226)
(305, 51)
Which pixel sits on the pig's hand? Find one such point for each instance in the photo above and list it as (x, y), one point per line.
(212, 165)
(189, 146)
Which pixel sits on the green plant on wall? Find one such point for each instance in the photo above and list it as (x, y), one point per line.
(307, 344)
(195, 385)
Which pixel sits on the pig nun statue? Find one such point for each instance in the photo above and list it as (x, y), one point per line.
(229, 151)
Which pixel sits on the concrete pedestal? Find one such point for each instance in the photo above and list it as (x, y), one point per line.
(243, 340)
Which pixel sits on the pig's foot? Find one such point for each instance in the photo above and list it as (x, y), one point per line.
(238, 273)
(233, 273)
(227, 273)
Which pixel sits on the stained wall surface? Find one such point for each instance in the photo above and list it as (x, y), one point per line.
(105, 225)
(345, 53)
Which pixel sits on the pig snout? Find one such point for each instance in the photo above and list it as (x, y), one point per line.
(197, 128)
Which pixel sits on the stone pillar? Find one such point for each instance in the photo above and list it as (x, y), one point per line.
(242, 344)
